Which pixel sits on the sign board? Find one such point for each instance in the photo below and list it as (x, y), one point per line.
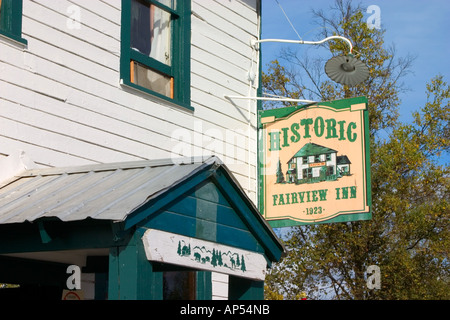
(195, 253)
(315, 163)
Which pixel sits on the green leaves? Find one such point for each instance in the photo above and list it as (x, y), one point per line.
(409, 234)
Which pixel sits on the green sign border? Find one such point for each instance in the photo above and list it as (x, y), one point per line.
(282, 113)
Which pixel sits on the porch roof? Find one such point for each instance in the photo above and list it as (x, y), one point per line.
(127, 192)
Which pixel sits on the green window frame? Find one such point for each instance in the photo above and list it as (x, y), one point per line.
(177, 70)
(11, 20)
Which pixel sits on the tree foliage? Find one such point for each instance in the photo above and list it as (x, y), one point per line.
(408, 236)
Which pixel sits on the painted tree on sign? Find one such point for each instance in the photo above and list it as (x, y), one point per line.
(408, 237)
(280, 175)
(243, 267)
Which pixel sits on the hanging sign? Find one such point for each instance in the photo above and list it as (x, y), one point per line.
(315, 163)
(195, 253)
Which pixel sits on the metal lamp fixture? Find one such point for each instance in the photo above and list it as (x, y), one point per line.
(346, 70)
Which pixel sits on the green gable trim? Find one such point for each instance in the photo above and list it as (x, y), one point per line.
(261, 231)
(209, 206)
(201, 218)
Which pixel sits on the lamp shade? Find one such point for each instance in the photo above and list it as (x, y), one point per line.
(346, 70)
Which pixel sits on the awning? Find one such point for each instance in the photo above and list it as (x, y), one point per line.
(134, 192)
(103, 191)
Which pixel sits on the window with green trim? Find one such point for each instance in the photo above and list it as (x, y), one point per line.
(155, 52)
(11, 19)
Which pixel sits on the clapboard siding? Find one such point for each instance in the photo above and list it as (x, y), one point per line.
(217, 48)
(235, 12)
(36, 28)
(220, 287)
(246, 9)
(230, 32)
(77, 63)
(96, 15)
(61, 100)
(57, 16)
(42, 156)
(218, 63)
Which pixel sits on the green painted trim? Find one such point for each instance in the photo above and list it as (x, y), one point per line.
(11, 20)
(181, 59)
(151, 63)
(28, 237)
(368, 163)
(155, 94)
(287, 111)
(139, 216)
(204, 285)
(45, 238)
(341, 218)
(255, 223)
(131, 275)
(260, 164)
(257, 227)
(245, 289)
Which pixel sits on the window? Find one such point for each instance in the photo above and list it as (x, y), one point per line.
(307, 173)
(11, 20)
(155, 53)
(179, 285)
(330, 170)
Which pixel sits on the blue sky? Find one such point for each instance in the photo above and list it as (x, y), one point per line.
(416, 27)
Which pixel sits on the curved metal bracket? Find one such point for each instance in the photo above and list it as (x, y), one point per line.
(254, 43)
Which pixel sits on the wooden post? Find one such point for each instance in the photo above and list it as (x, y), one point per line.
(131, 275)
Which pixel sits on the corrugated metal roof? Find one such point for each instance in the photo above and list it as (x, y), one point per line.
(104, 191)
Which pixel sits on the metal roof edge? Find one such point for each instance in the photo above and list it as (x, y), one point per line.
(206, 162)
(117, 165)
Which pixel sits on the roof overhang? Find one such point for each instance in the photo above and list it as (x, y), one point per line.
(119, 192)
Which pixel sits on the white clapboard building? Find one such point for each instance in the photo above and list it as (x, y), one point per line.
(98, 85)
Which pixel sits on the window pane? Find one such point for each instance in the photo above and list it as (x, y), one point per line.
(178, 285)
(151, 31)
(151, 79)
(168, 3)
